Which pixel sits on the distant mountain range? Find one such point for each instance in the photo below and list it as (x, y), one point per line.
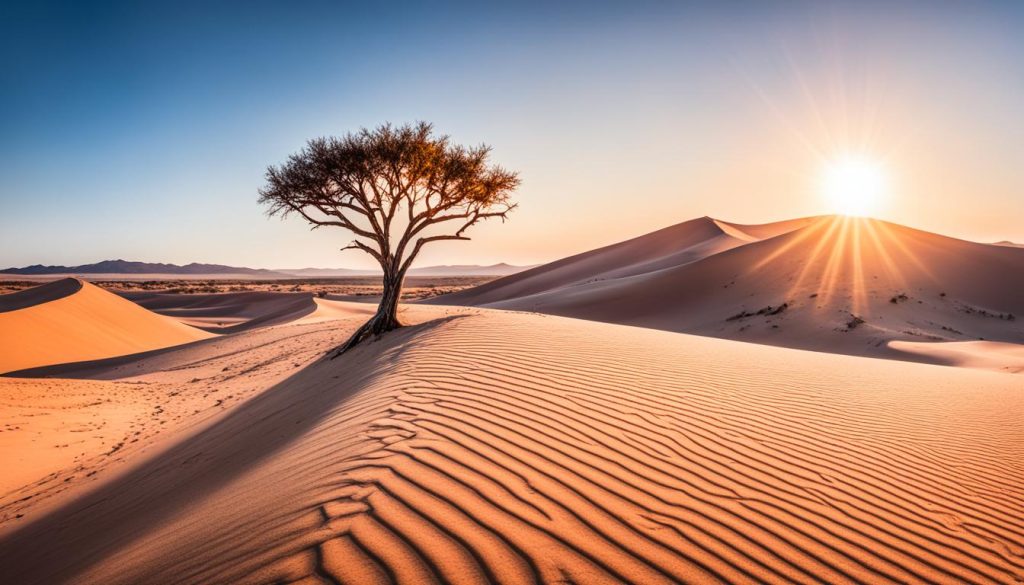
(196, 269)
(129, 267)
(501, 269)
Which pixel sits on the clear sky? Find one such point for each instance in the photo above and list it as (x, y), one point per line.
(143, 133)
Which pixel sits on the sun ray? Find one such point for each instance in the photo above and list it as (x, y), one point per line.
(897, 241)
(829, 225)
(858, 293)
(892, 271)
(803, 234)
(827, 285)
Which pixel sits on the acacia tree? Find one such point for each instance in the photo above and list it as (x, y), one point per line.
(396, 189)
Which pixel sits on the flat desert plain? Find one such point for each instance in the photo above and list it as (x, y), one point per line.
(482, 444)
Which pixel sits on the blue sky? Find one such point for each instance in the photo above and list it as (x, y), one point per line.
(143, 132)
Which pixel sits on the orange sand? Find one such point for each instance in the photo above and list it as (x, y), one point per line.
(86, 323)
(485, 445)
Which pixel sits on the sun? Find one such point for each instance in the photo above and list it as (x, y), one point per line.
(854, 185)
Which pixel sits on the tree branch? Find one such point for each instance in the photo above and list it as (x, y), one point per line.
(419, 244)
(357, 245)
(360, 181)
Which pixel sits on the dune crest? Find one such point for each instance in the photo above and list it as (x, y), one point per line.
(831, 284)
(38, 295)
(235, 312)
(673, 246)
(70, 320)
(228, 312)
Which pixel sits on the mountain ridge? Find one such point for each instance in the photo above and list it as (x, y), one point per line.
(135, 267)
(120, 266)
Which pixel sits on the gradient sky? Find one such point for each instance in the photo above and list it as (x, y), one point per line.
(143, 133)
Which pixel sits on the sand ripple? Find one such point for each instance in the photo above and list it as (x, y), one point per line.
(500, 447)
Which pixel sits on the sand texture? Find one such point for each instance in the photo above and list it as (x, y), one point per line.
(70, 320)
(828, 284)
(486, 446)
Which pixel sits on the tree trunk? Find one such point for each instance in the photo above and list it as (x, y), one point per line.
(386, 317)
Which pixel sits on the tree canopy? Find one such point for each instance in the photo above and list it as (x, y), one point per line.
(396, 189)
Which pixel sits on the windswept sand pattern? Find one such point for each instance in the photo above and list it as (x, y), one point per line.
(499, 447)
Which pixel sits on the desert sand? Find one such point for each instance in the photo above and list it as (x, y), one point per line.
(228, 313)
(481, 445)
(71, 320)
(993, 355)
(834, 284)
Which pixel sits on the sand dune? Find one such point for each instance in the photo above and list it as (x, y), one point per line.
(329, 310)
(492, 446)
(829, 284)
(39, 294)
(673, 246)
(69, 320)
(228, 312)
(242, 311)
(992, 355)
(755, 232)
(172, 358)
(77, 324)
(71, 428)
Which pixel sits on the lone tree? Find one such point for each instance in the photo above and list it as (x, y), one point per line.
(396, 189)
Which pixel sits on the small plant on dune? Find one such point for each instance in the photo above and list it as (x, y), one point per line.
(854, 322)
(769, 310)
(396, 189)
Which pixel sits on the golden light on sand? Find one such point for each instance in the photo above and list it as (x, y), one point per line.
(854, 185)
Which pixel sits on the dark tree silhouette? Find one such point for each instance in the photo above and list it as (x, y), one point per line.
(396, 189)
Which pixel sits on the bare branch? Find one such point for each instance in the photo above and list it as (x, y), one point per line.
(419, 245)
(357, 245)
(359, 182)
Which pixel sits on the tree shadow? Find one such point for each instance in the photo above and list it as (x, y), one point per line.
(72, 537)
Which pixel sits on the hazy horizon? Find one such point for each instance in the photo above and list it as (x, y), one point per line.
(143, 133)
(422, 265)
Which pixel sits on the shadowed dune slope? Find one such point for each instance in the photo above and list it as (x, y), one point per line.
(992, 355)
(76, 321)
(834, 284)
(666, 248)
(523, 448)
(228, 312)
(752, 233)
(38, 295)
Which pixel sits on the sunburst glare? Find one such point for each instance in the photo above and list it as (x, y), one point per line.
(854, 185)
